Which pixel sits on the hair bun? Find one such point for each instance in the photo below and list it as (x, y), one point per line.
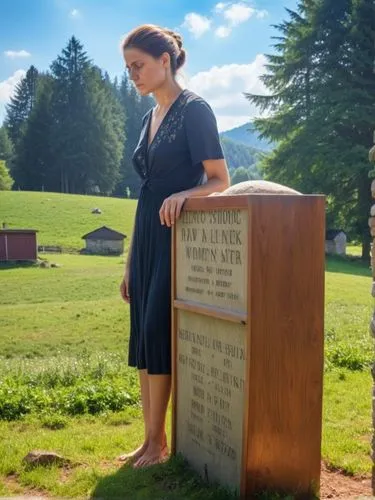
(181, 58)
(176, 36)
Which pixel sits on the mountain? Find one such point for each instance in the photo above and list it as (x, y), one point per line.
(247, 135)
(238, 155)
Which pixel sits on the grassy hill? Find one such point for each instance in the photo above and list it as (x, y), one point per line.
(64, 339)
(62, 219)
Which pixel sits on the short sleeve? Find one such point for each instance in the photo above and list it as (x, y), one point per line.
(202, 133)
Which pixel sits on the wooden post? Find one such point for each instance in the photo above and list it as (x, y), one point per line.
(248, 329)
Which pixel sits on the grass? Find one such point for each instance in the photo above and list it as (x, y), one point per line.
(42, 211)
(66, 329)
(83, 441)
(63, 309)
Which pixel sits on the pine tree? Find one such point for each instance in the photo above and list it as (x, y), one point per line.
(6, 147)
(361, 111)
(6, 180)
(321, 86)
(33, 167)
(69, 71)
(21, 105)
(88, 130)
(105, 137)
(240, 175)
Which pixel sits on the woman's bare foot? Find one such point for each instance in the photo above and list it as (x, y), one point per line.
(134, 455)
(155, 454)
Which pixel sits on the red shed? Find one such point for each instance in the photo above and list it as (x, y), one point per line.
(18, 244)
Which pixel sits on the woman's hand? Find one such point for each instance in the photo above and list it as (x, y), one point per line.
(124, 287)
(171, 208)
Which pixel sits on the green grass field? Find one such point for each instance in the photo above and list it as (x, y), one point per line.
(63, 345)
(63, 219)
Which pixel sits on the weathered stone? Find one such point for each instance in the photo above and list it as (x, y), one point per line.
(45, 264)
(258, 187)
(373, 188)
(42, 457)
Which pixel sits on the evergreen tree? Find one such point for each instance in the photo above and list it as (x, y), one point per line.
(88, 130)
(6, 180)
(238, 155)
(321, 84)
(105, 149)
(240, 175)
(6, 147)
(254, 173)
(21, 105)
(34, 162)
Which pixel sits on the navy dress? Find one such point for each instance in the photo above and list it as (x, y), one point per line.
(187, 136)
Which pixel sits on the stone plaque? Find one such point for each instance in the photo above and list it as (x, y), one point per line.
(211, 249)
(211, 357)
(247, 340)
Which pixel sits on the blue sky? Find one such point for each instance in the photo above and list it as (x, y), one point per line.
(225, 41)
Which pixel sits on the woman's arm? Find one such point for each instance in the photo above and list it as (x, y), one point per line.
(217, 180)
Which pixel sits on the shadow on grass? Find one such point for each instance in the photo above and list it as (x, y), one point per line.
(15, 264)
(347, 265)
(170, 481)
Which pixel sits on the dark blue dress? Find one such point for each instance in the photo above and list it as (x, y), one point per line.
(187, 136)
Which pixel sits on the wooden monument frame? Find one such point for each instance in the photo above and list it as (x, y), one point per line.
(285, 336)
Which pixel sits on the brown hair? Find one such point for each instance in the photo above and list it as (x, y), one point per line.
(155, 40)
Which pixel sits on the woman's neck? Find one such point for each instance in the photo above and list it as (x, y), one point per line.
(167, 94)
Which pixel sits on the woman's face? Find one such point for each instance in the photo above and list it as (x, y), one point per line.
(147, 73)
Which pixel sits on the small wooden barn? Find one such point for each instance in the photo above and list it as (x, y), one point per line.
(335, 242)
(105, 241)
(18, 245)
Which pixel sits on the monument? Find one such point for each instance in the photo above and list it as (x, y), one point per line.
(248, 313)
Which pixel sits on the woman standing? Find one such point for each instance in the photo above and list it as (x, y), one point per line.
(178, 156)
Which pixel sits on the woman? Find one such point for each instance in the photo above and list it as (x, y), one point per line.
(178, 156)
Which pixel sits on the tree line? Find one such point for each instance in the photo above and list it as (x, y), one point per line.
(73, 130)
(321, 107)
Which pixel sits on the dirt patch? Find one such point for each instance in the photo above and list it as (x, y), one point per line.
(11, 482)
(335, 484)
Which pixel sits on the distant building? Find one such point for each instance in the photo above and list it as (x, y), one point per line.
(18, 244)
(336, 242)
(105, 241)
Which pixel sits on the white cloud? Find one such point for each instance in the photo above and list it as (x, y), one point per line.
(7, 88)
(75, 13)
(223, 31)
(196, 24)
(220, 6)
(234, 14)
(14, 54)
(223, 88)
(238, 13)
